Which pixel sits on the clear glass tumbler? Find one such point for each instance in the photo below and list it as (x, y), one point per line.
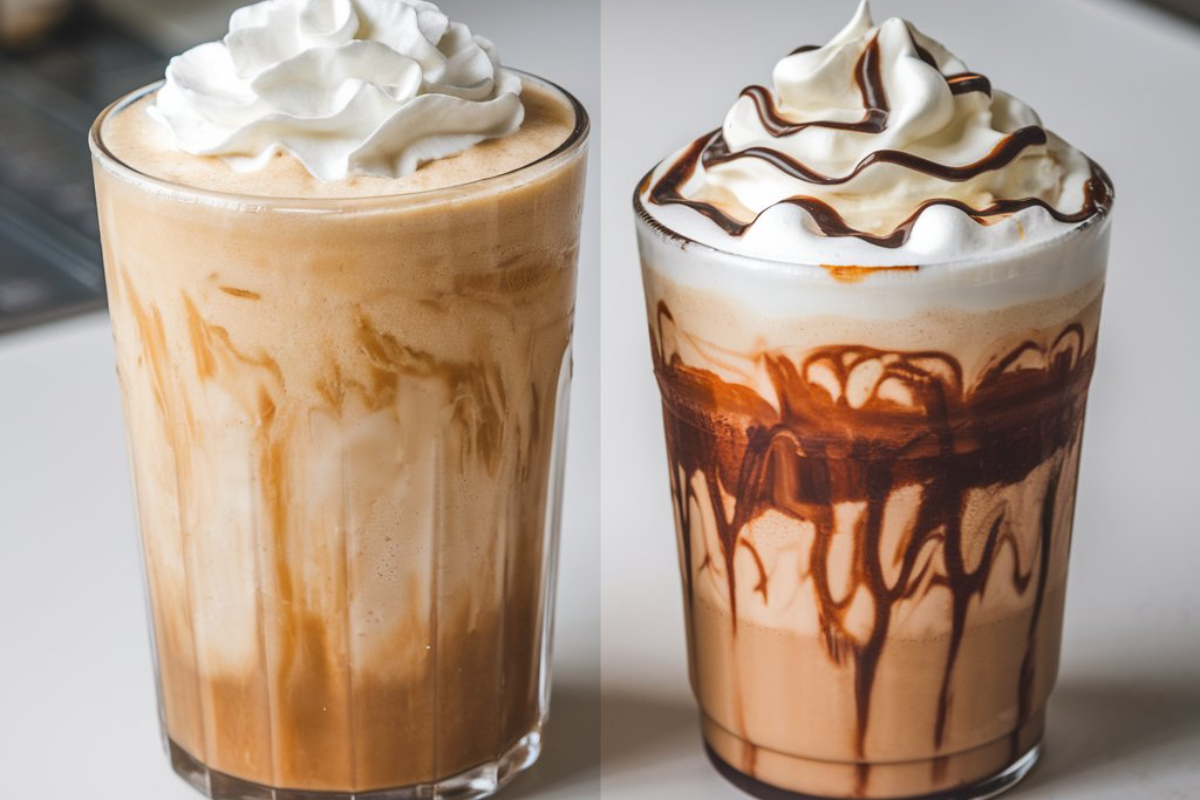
(874, 474)
(346, 420)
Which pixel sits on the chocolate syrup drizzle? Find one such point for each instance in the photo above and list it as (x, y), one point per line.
(1001, 156)
(961, 82)
(812, 451)
(712, 149)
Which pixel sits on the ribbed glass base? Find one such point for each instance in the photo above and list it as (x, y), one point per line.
(482, 781)
(992, 786)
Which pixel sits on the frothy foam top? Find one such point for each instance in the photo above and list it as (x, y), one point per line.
(880, 148)
(137, 140)
(348, 87)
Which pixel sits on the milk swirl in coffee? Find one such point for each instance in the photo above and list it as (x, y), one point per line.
(873, 296)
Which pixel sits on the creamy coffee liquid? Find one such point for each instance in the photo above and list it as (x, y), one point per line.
(874, 297)
(345, 420)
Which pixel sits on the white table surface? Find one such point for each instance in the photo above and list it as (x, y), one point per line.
(1112, 77)
(77, 715)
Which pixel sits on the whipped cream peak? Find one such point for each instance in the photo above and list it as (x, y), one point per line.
(879, 147)
(370, 87)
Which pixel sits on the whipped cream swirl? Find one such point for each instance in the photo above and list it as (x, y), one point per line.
(370, 87)
(880, 140)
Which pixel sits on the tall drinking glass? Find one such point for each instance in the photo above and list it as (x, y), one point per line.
(874, 474)
(346, 422)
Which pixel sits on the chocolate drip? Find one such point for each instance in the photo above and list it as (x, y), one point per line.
(922, 52)
(868, 75)
(966, 82)
(668, 189)
(811, 450)
(960, 83)
(869, 79)
(779, 126)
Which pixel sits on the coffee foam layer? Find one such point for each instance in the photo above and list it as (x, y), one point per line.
(787, 295)
(136, 139)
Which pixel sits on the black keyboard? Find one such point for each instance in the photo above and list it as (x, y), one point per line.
(50, 262)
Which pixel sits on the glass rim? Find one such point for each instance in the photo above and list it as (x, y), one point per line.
(575, 142)
(813, 269)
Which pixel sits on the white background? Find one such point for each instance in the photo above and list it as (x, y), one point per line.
(77, 716)
(1119, 81)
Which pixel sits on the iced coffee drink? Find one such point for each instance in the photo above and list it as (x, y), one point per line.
(873, 298)
(340, 247)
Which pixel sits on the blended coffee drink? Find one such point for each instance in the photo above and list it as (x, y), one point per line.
(341, 258)
(873, 298)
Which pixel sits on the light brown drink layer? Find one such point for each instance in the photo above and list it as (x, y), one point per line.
(341, 425)
(874, 519)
